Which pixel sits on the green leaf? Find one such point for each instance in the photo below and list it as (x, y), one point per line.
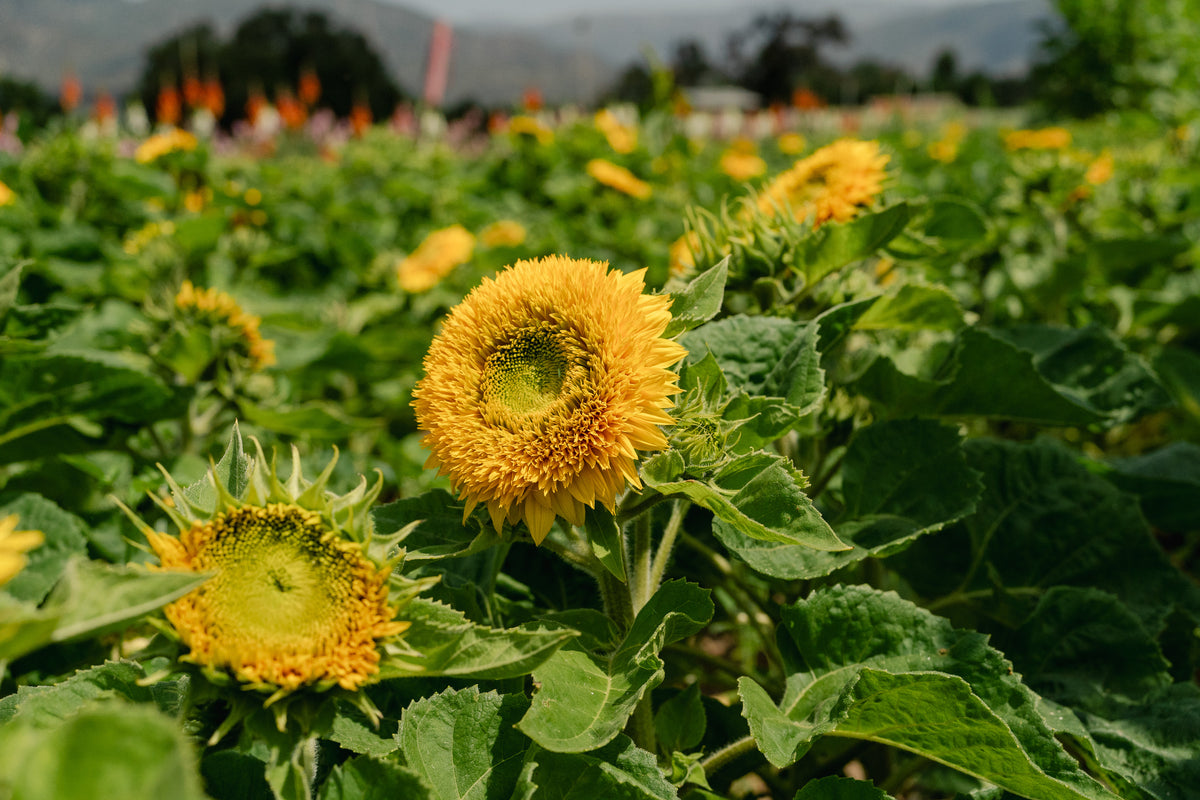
(913, 307)
(870, 665)
(97, 598)
(230, 774)
(1166, 481)
(700, 300)
(835, 787)
(64, 538)
(584, 699)
(232, 471)
(1054, 377)
(367, 778)
(955, 218)
(766, 356)
(757, 495)
(104, 750)
(834, 245)
(617, 771)
(900, 480)
(353, 730)
(9, 284)
(437, 529)
(463, 745)
(604, 535)
(443, 642)
(1002, 551)
(316, 419)
(48, 705)
(680, 721)
(23, 627)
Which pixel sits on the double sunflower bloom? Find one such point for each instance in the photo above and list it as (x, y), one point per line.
(542, 387)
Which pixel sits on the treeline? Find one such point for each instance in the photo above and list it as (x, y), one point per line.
(783, 57)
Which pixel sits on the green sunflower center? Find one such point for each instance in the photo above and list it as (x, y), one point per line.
(281, 583)
(527, 373)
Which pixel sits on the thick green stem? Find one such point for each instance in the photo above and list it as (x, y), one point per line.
(617, 602)
(659, 568)
(641, 587)
(728, 753)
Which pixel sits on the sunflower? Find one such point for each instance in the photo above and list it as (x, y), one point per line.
(617, 177)
(7, 195)
(220, 308)
(741, 162)
(542, 386)
(160, 144)
(296, 601)
(13, 546)
(831, 184)
(1039, 139)
(437, 254)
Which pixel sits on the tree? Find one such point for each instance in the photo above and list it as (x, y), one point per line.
(691, 65)
(269, 52)
(779, 51)
(1122, 54)
(27, 100)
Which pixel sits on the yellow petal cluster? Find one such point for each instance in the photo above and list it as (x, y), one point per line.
(832, 184)
(7, 195)
(741, 162)
(1039, 139)
(219, 306)
(434, 258)
(290, 603)
(621, 137)
(160, 144)
(542, 387)
(617, 177)
(503, 233)
(525, 125)
(13, 546)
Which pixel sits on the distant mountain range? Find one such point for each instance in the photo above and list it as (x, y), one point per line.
(102, 41)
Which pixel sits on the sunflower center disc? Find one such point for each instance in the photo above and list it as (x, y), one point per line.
(527, 373)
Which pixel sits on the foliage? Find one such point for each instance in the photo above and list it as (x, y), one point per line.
(926, 516)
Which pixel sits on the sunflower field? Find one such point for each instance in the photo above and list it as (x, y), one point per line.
(602, 456)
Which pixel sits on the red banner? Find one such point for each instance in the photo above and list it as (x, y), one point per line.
(438, 69)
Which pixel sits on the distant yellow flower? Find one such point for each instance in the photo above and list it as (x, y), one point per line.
(7, 195)
(945, 149)
(621, 138)
(1040, 139)
(217, 306)
(619, 178)
(525, 125)
(542, 386)
(682, 255)
(831, 184)
(503, 233)
(741, 162)
(13, 546)
(791, 143)
(1101, 170)
(434, 258)
(160, 144)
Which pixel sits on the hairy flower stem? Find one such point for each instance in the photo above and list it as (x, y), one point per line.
(641, 583)
(728, 753)
(667, 545)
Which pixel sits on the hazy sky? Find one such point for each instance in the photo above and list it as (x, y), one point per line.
(523, 11)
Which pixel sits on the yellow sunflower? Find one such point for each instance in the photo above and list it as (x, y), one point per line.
(13, 546)
(741, 161)
(160, 144)
(295, 600)
(542, 386)
(219, 307)
(1039, 139)
(617, 177)
(503, 233)
(7, 195)
(831, 184)
(437, 254)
